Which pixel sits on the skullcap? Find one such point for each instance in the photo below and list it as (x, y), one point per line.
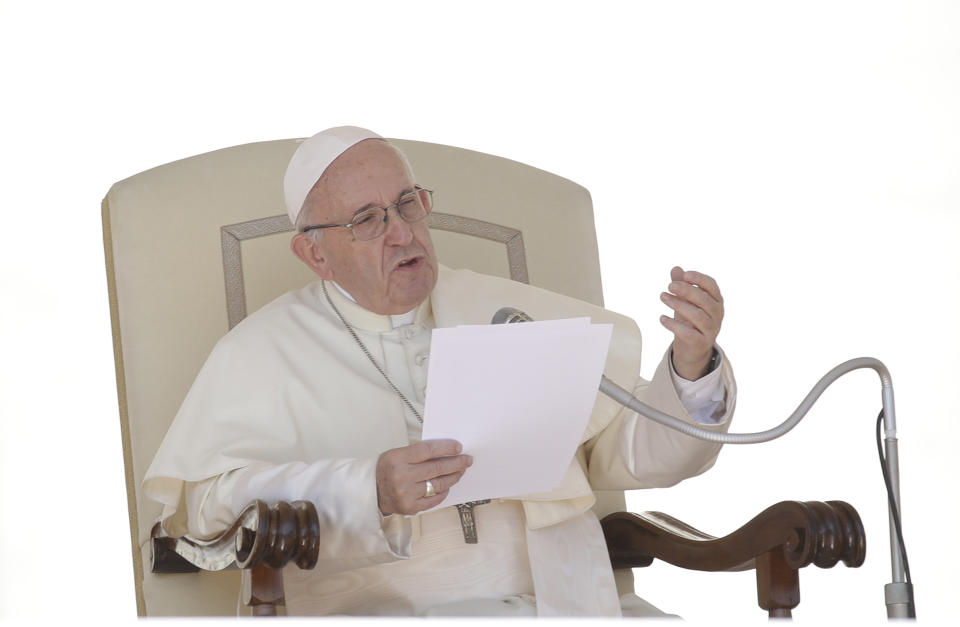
(312, 158)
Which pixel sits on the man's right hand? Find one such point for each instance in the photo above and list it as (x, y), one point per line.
(402, 475)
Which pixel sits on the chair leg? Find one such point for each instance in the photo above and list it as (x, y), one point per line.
(778, 585)
(265, 591)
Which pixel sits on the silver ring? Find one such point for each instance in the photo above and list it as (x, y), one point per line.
(430, 491)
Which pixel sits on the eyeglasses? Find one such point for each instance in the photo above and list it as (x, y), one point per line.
(371, 223)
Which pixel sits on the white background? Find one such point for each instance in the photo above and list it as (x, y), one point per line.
(804, 154)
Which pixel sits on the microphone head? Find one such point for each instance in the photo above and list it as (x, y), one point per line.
(508, 315)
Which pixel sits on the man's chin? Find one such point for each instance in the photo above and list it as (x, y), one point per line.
(409, 291)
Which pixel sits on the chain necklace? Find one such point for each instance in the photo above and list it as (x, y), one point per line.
(373, 361)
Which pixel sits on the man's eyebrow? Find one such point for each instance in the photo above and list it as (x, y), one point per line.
(373, 205)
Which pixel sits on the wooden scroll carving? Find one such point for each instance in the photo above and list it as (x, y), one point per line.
(777, 543)
(262, 539)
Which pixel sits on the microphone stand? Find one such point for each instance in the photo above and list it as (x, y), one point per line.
(898, 594)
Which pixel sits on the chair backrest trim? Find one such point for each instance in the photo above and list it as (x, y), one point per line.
(232, 234)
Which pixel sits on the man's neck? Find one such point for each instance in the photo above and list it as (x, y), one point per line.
(398, 320)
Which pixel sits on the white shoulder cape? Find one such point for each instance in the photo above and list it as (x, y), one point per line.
(289, 384)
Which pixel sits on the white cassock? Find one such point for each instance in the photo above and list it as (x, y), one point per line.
(288, 407)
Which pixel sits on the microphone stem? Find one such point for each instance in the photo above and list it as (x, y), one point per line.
(624, 397)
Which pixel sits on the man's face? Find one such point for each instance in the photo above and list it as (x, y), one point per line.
(390, 274)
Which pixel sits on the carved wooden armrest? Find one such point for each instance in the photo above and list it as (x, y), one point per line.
(262, 539)
(777, 543)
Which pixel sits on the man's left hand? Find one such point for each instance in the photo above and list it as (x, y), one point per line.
(697, 314)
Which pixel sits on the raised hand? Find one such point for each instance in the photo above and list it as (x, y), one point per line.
(697, 314)
(402, 475)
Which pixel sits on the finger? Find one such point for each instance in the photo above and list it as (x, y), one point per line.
(429, 449)
(683, 331)
(676, 273)
(694, 293)
(425, 503)
(699, 297)
(441, 466)
(687, 312)
(440, 484)
(705, 282)
(696, 306)
(707, 318)
(411, 504)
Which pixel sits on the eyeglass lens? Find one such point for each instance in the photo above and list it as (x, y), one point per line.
(373, 222)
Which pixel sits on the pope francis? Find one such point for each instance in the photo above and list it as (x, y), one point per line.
(319, 396)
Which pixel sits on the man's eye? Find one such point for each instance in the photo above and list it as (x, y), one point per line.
(365, 218)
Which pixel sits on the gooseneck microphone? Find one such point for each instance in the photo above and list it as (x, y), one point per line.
(508, 315)
(899, 593)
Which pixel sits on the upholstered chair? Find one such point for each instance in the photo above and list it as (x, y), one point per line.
(193, 246)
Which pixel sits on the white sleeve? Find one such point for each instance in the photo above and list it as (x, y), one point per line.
(353, 532)
(704, 398)
(635, 452)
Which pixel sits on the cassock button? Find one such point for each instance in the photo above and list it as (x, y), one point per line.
(420, 358)
(409, 332)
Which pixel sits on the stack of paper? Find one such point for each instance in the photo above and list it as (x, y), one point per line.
(517, 396)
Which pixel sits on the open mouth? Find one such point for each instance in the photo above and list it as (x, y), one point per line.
(407, 264)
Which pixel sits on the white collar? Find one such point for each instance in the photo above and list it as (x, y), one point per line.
(398, 320)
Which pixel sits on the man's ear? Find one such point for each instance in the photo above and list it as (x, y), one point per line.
(309, 252)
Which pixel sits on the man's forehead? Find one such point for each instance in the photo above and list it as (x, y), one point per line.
(362, 179)
(312, 157)
(367, 174)
(370, 155)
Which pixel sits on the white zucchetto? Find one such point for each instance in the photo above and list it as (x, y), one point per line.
(312, 158)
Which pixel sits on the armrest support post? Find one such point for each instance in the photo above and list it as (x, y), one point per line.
(263, 590)
(778, 584)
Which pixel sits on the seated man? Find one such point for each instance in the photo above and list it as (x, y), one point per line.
(319, 396)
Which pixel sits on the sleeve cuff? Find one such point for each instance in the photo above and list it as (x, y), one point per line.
(344, 491)
(704, 399)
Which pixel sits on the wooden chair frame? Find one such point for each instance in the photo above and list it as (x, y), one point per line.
(776, 543)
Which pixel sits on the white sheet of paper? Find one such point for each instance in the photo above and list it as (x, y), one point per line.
(517, 396)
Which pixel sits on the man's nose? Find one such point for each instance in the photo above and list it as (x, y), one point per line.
(398, 231)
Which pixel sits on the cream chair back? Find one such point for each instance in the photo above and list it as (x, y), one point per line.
(193, 245)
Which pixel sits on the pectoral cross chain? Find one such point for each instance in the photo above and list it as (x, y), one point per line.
(467, 520)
